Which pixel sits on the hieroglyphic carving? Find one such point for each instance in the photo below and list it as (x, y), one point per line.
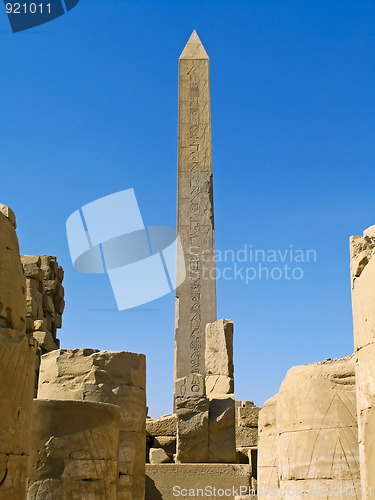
(196, 297)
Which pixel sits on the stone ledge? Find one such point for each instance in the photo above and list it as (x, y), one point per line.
(161, 478)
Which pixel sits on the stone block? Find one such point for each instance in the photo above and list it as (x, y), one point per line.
(167, 443)
(248, 416)
(49, 286)
(50, 322)
(9, 214)
(221, 429)
(196, 481)
(219, 348)
(45, 341)
(192, 429)
(59, 304)
(48, 304)
(158, 456)
(58, 321)
(60, 273)
(246, 436)
(218, 385)
(34, 298)
(162, 426)
(40, 324)
(192, 385)
(30, 264)
(31, 283)
(31, 308)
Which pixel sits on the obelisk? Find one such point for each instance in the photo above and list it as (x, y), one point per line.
(196, 296)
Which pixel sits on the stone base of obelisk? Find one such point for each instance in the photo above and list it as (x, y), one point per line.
(197, 481)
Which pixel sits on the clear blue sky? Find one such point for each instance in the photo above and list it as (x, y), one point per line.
(89, 107)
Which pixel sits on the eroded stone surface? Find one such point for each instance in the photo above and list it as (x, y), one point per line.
(219, 348)
(158, 456)
(162, 426)
(168, 443)
(195, 478)
(44, 298)
(9, 214)
(192, 429)
(18, 353)
(362, 267)
(102, 376)
(196, 296)
(268, 454)
(74, 450)
(247, 424)
(316, 430)
(221, 429)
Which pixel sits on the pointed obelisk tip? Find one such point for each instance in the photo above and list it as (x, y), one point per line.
(194, 48)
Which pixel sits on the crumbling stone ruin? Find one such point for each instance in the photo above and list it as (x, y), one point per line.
(44, 299)
(308, 436)
(84, 435)
(44, 302)
(117, 378)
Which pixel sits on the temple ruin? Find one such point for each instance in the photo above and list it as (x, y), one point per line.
(74, 421)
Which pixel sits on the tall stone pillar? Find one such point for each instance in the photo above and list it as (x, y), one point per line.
(196, 296)
(17, 365)
(362, 266)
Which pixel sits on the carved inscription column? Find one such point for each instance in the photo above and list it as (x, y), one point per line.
(196, 297)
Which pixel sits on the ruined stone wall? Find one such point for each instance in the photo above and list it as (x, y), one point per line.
(117, 378)
(161, 439)
(44, 299)
(247, 416)
(44, 303)
(362, 250)
(18, 352)
(316, 432)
